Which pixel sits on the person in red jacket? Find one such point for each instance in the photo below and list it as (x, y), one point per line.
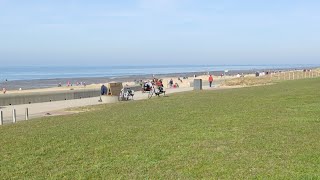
(210, 80)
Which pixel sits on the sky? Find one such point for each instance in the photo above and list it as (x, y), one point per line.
(150, 32)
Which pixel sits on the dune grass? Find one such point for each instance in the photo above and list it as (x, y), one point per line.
(271, 78)
(248, 81)
(259, 132)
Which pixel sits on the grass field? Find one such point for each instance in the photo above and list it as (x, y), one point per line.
(259, 132)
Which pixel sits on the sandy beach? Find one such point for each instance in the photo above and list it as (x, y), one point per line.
(42, 85)
(184, 80)
(11, 85)
(181, 81)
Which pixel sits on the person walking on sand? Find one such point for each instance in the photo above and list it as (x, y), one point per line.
(210, 80)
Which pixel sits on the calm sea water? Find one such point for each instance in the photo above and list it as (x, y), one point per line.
(31, 72)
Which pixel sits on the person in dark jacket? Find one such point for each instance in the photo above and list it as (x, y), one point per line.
(104, 90)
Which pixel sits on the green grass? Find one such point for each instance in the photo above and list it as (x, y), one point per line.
(267, 132)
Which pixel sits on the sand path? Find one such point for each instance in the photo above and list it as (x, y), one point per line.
(59, 107)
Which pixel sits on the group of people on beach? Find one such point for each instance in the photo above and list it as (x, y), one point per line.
(171, 84)
(4, 90)
(158, 82)
(147, 86)
(69, 84)
(174, 85)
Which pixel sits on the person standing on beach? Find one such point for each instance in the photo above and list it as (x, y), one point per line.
(210, 80)
(171, 83)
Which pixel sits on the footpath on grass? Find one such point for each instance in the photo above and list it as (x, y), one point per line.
(56, 108)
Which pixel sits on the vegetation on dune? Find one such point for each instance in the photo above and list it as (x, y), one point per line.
(259, 132)
(248, 81)
(271, 78)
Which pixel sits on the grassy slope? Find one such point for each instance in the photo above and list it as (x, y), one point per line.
(260, 132)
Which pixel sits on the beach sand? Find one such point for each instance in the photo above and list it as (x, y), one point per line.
(186, 80)
(50, 83)
(183, 83)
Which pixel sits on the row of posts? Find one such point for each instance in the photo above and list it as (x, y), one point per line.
(293, 76)
(14, 116)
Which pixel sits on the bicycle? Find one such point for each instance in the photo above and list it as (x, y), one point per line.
(125, 96)
(156, 91)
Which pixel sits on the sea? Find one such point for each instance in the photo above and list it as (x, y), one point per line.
(11, 73)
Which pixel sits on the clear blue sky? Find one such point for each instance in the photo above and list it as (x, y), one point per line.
(80, 32)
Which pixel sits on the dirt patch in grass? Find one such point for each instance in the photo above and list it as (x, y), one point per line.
(84, 109)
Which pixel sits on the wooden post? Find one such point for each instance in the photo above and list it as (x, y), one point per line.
(14, 116)
(27, 114)
(284, 75)
(293, 75)
(1, 118)
(289, 75)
